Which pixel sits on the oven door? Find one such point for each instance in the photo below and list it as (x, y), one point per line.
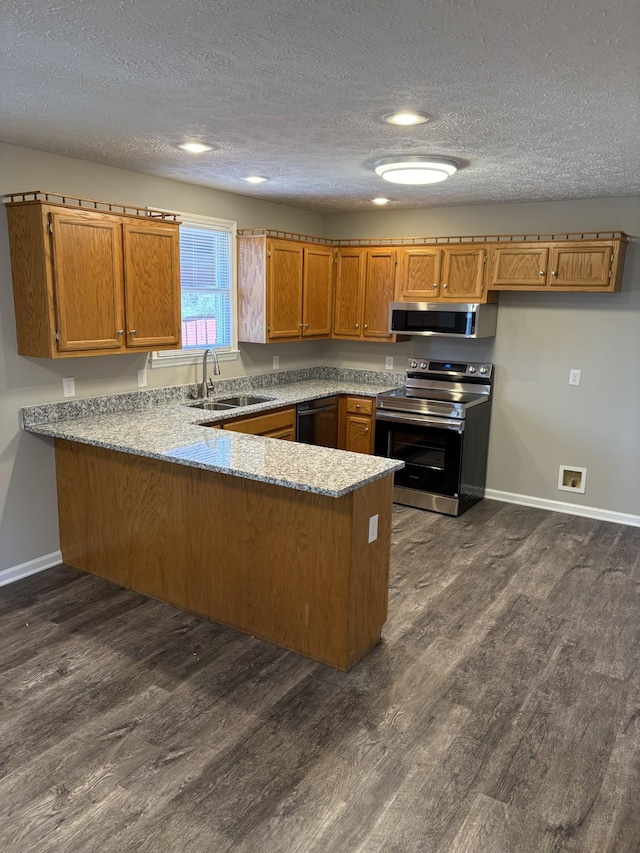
(431, 449)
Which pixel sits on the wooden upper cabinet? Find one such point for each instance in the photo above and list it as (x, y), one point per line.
(87, 281)
(442, 274)
(83, 278)
(349, 290)
(152, 292)
(380, 282)
(317, 289)
(284, 292)
(580, 265)
(365, 286)
(285, 289)
(419, 274)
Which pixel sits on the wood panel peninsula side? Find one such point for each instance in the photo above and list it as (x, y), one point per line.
(291, 567)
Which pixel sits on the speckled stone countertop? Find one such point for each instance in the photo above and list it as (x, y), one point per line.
(163, 424)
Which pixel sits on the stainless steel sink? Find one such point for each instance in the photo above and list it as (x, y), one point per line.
(246, 400)
(212, 405)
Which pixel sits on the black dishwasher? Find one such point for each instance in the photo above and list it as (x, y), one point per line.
(317, 422)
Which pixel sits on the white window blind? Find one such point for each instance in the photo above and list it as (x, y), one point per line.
(208, 295)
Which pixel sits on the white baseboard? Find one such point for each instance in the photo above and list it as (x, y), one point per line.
(563, 506)
(16, 573)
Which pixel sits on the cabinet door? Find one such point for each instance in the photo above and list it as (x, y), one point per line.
(347, 313)
(284, 299)
(516, 266)
(379, 290)
(317, 291)
(359, 434)
(462, 273)
(152, 285)
(87, 274)
(419, 275)
(581, 266)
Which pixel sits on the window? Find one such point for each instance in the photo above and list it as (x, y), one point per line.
(208, 284)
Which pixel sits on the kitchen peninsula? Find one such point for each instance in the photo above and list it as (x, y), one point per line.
(276, 539)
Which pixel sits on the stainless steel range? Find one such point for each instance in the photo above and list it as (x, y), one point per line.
(439, 426)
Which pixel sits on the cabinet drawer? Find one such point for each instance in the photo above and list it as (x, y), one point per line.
(284, 419)
(360, 405)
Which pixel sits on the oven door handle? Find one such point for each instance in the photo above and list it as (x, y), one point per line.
(420, 420)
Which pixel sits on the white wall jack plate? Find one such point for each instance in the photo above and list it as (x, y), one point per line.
(574, 376)
(373, 528)
(69, 386)
(276, 362)
(388, 363)
(142, 377)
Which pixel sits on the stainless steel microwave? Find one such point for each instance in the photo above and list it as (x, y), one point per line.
(447, 320)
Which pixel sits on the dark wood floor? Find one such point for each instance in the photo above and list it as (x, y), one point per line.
(501, 713)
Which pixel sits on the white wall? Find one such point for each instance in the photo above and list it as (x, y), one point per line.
(538, 421)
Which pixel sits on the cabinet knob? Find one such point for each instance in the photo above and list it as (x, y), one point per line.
(541, 272)
(132, 332)
(435, 284)
(445, 286)
(357, 405)
(553, 272)
(306, 325)
(366, 325)
(357, 326)
(366, 429)
(120, 332)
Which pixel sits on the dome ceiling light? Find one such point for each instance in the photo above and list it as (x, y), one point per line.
(406, 118)
(380, 200)
(415, 170)
(255, 179)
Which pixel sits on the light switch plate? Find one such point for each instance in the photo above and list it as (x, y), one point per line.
(373, 528)
(142, 377)
(69, 386)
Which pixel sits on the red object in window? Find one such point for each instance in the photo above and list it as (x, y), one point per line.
(199, 332)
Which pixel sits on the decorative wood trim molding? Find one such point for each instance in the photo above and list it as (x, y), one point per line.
(31, 567)
(563, 506)
(44, 196)
(444, 241)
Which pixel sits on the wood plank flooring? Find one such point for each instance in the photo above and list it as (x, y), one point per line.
(500, 714)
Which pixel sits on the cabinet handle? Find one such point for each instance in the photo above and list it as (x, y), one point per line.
(553, 272)
(132, 332)
(541, 272)
(120, 332)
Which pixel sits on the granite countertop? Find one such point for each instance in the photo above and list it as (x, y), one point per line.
(163, 424)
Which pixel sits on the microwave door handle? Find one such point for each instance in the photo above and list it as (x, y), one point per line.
(420, 420)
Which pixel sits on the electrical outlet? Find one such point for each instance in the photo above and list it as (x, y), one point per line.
(276, 362)
(574, 376)
(373, 528)
(388, 363)
(142, 377)
(69, 386)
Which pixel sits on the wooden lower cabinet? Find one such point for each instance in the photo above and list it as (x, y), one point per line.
(280, 424)
(286, 566)
(357, 424)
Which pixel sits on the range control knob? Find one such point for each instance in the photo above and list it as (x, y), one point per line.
(423, 365)
(484, 370)
(471, 369)
(414, 364)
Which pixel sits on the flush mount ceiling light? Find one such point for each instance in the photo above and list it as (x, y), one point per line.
(195, 147)
(255, 179)
(406, 118)
(415, 170)
(380, 200)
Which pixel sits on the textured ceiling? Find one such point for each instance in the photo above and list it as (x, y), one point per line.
(537, 100)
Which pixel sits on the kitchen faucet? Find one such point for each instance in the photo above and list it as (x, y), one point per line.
(204, 386)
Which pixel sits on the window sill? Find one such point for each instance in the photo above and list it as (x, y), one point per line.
(176, 358)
